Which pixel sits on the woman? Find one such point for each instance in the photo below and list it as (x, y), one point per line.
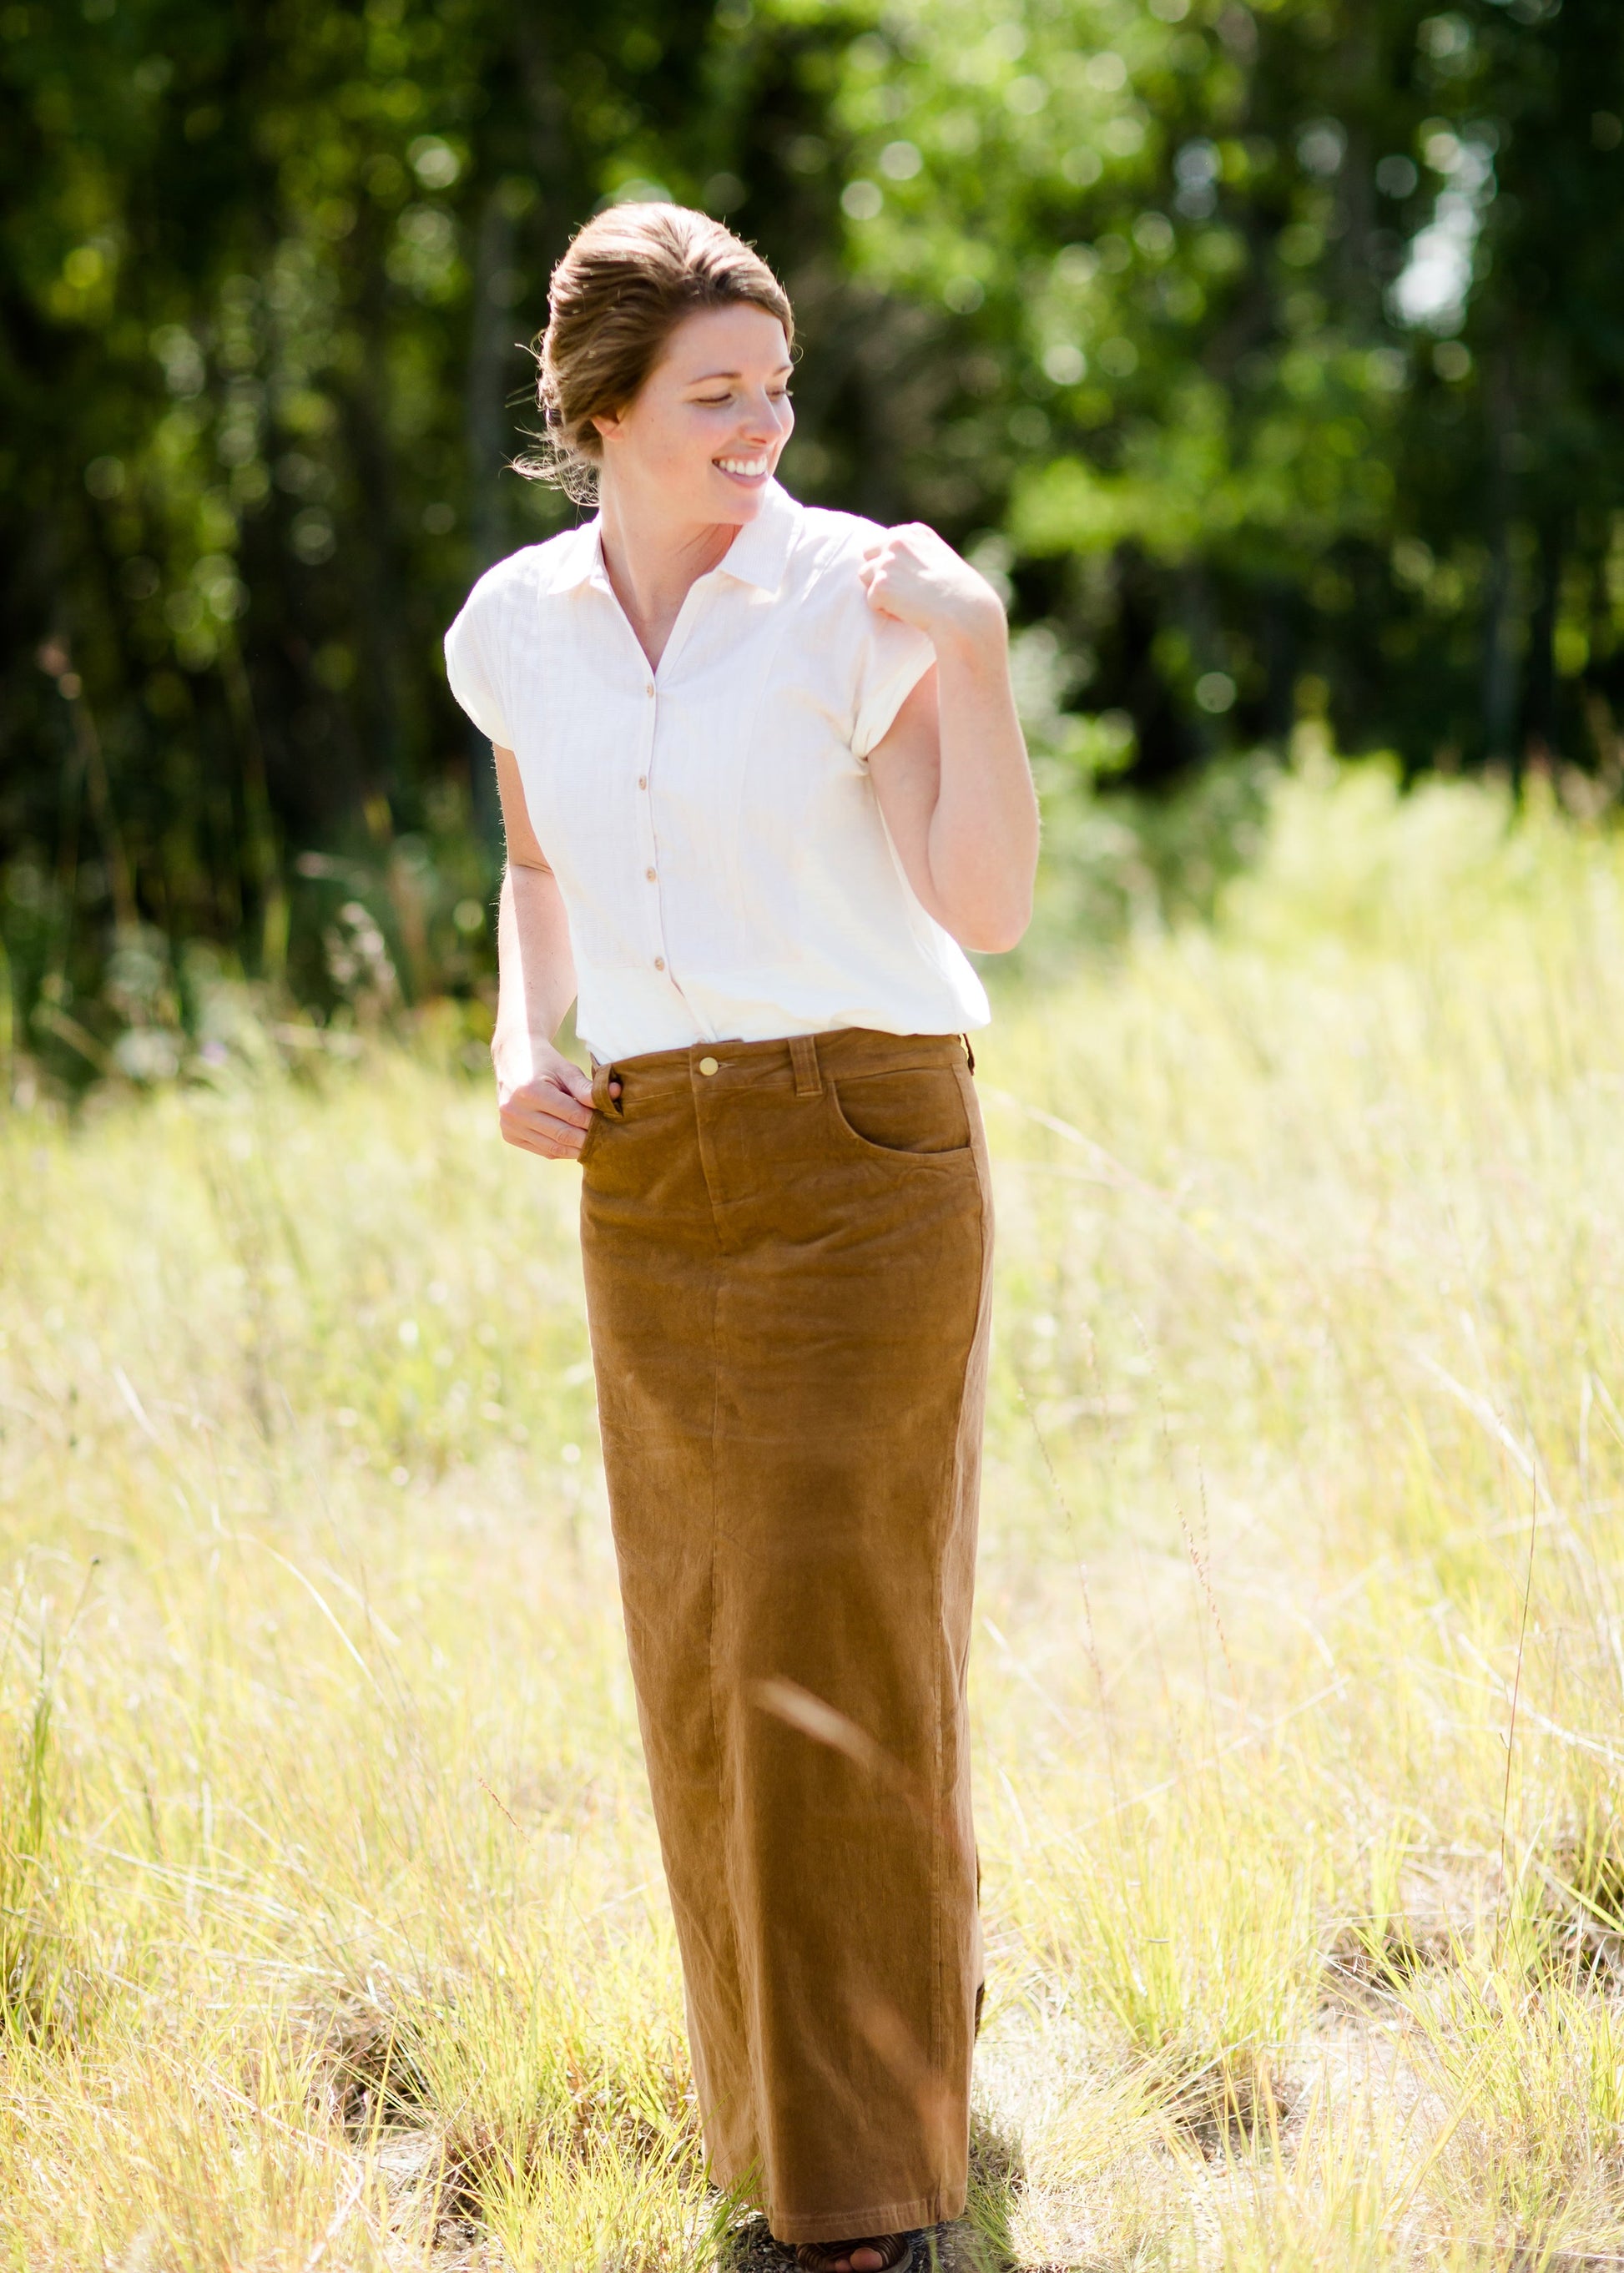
(763, 783)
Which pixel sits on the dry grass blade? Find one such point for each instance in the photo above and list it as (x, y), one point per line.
(333, 1937)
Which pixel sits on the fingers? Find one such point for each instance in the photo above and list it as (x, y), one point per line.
(551, 1117)
(905, 533)
(907, 556)
(570, 1076)
(551, 1099)
(540, 1133)
(903, 528)
(547, 1116)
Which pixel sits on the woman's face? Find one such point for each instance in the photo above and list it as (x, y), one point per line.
(706, 428)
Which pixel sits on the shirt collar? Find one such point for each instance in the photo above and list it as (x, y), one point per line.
(576, 556)
(758, 554)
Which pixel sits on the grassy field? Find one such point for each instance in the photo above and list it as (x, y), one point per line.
(332, 1933)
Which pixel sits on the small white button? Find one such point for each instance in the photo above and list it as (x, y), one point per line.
(660, 963)
(642, 781)
(649, 689)
(708, 1065)
(648, 873)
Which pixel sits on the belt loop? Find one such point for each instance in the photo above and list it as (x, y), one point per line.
(803, 1057)
(969, 1052)
(602, 1076)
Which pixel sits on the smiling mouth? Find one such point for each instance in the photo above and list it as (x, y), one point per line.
(744, 470)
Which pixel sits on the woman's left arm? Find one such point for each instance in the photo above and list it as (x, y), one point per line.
(951, 774)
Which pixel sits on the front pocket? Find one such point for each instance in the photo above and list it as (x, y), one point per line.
(915, 1114)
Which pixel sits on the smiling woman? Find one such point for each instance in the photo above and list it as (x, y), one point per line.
(627, 282)
(750, 838)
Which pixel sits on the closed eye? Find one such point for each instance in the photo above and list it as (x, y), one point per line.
(715, 401)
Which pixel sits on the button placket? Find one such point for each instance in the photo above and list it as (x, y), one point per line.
(653, 926)
(695, 602)
(654, 933)
(659, 953)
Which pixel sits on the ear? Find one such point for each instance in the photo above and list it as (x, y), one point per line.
(606, 427)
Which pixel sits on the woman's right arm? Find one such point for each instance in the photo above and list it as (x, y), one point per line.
(544, 1099)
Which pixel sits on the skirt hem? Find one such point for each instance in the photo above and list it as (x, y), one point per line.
(877, 2218)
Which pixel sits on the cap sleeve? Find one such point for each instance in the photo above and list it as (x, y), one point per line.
(467, 668)
(892, 659)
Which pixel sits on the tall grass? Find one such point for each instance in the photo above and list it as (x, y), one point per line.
(332, 1930)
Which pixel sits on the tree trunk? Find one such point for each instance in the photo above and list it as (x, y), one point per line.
(1539, 730)
(490, 369)
(1499, 661)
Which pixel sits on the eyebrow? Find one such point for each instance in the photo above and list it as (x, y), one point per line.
(705, 378)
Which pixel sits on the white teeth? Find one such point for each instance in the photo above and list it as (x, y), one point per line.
(750, 466)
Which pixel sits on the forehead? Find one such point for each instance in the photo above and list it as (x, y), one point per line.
(738, 338)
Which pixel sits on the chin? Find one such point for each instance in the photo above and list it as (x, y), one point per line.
(729, 503)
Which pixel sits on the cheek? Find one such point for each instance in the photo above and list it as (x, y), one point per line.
(672, 445)
(701, 439)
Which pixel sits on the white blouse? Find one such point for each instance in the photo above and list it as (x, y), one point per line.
(723, 860)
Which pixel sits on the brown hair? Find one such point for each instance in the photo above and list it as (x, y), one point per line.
(627, 282)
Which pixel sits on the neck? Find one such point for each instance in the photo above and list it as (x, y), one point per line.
(653, 560)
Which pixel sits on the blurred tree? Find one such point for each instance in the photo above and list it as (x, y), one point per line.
(1285, 353)
(1272, 353)
(266, 269)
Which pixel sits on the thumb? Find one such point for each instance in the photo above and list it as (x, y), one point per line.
(570, 1077)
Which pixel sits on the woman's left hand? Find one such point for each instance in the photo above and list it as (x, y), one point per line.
(912, 574)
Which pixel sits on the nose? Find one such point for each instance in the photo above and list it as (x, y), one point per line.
(765, 419)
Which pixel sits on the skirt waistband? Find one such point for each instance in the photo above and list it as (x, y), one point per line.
(800, 1062)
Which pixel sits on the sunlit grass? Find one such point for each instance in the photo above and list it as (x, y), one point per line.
(332, 1930)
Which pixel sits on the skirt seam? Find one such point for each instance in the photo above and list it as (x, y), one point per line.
(974, 1356)
(723, 1800)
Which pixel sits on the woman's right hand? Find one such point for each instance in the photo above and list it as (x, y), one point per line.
(543, 1099)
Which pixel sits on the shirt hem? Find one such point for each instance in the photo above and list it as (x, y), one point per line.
(959, 1020)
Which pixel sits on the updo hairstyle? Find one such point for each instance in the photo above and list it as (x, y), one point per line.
(627, 282)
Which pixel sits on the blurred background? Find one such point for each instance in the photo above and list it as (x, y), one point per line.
(1270, 356)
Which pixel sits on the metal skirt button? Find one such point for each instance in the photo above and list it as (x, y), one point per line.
(708, 1065)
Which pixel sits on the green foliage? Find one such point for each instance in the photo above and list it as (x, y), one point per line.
(1293, 355)
(266, 273)
(1267, 353)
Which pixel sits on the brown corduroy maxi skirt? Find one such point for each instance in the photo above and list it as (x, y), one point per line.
(787, 1249)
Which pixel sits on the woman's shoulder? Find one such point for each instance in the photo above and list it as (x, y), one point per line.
(495, 626)
(516, 580)
(829, 539)
(827, 554)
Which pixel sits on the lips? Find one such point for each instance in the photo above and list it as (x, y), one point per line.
(742, 469)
